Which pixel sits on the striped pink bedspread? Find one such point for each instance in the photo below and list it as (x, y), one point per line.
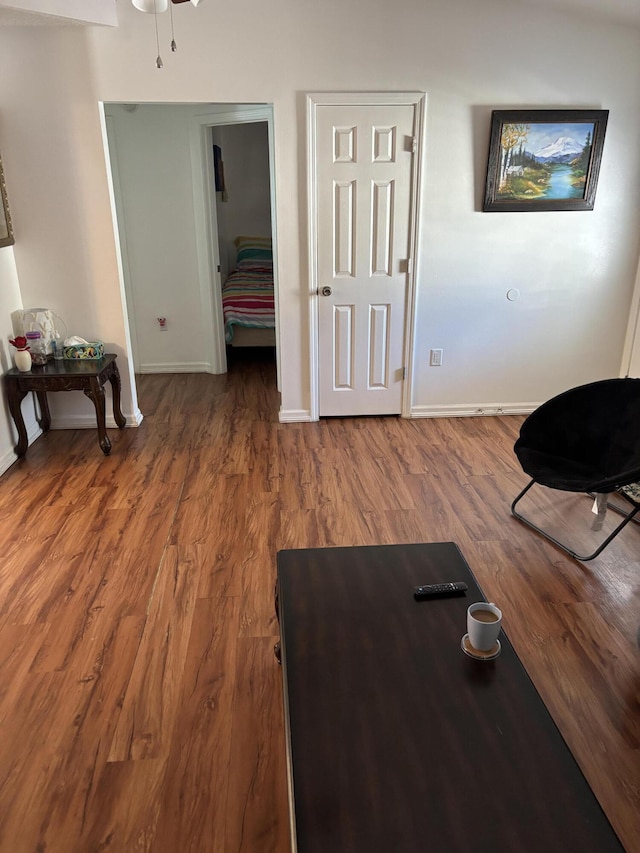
(247, 300)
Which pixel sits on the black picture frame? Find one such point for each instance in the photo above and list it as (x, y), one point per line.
(6, 227)
(544, 159)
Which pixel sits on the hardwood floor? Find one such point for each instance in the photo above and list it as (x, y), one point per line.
(140, 702)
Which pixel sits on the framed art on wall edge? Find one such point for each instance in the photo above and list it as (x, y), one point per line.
(544, 159)
(6, 229)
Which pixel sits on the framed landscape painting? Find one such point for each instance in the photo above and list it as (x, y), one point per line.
(6, 231)
(544, 159)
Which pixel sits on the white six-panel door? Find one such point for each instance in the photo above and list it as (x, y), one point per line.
(363, 219)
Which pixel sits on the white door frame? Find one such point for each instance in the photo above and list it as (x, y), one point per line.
(206, 222)
(120, 228)
(315, 100)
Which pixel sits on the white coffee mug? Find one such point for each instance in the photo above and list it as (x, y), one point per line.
(483, 625)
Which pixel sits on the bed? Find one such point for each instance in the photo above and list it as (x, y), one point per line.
(247, 295)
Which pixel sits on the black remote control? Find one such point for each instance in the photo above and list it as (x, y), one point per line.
(440, 590)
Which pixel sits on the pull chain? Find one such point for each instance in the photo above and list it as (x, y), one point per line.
(159, 63)
(174, 46)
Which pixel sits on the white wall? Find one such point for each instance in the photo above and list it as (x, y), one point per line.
(151, 147)
(65, 253)
(575, 271)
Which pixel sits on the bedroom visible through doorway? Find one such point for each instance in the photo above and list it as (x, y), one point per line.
(162, 164)
(245, 243)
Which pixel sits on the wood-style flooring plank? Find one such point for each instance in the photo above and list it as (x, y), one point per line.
(82, 731)
(257, 773)
(151, 701)
(194, 804)
(140, 700)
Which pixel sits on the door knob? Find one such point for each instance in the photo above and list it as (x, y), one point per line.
(325, 291)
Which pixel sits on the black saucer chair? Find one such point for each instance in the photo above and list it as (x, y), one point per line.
(586, 440)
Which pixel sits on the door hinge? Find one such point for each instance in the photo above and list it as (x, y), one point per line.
(411, 144)
(404, 373)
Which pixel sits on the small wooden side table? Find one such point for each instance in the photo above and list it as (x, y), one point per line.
(67, 375)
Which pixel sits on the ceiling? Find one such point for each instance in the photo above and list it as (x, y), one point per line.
(38, 13)
(621, 11)
(20, 18)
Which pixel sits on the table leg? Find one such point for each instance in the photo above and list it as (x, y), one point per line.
(45, 415)
(114, 379)
(15, 398)
(95, 393)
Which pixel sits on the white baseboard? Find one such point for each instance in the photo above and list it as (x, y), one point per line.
(7, 459)
(89, 421)
(473, 410)
(9, 456)
(294, 416)
(177, 367)
(462, 410)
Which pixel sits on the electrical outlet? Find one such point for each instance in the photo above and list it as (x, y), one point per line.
(435, 359)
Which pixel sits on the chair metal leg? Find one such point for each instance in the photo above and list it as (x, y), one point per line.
(627, 518)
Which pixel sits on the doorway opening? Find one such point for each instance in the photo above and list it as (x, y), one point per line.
(166, 204)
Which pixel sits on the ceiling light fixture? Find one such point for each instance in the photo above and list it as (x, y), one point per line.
(155, 8)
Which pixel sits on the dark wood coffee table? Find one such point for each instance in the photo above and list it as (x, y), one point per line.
(398, 742)
(88, 375)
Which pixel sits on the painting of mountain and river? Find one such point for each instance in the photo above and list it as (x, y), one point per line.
(552, 161)
(544, 160)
